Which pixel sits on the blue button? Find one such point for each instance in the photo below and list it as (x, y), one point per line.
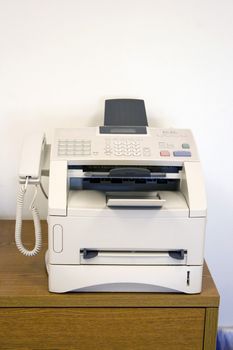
(182, 154)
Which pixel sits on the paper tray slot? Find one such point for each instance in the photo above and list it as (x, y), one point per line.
(130, 200)
(108, 257)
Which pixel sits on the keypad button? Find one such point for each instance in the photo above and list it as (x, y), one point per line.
(164, 153)
(185, 145)
(162, 145)
(126, 148)
(182, 154)
(74, 147)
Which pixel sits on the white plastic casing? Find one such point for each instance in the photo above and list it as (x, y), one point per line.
(79, 220)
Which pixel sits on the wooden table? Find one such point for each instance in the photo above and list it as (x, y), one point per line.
(33, 318)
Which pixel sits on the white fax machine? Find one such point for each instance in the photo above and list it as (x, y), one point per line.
(126, 207)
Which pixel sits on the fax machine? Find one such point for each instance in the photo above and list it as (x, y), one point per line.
(126, 206)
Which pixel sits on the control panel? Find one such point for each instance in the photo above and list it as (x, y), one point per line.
(165, 145)
(74, 147)
(123, 147)
(173, 143)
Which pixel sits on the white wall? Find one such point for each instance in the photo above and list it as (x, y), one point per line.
(59, 60)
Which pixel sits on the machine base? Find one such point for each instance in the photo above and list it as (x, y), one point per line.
(118, 278)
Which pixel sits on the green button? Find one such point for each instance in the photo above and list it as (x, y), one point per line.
(185, 145)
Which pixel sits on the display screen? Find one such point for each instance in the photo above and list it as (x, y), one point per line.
(122, 130)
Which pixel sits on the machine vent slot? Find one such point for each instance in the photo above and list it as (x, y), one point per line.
(188, 278)
(162, 181)
(140, 181)
(120, 184)
(107, 168)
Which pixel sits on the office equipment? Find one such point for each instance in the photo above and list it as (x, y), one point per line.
(126, 208)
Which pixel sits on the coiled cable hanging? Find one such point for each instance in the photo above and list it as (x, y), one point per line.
(36, 221)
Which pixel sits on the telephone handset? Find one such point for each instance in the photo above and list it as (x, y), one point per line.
(29, 174)
(32, 158)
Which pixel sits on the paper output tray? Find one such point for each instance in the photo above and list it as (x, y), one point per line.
(131, 200)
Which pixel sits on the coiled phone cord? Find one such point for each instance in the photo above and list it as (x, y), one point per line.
(36, 221)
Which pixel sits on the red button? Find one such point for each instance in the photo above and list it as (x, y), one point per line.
(165, 153)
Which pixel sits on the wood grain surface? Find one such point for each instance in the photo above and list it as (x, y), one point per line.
(102, 329)
(211, 323)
